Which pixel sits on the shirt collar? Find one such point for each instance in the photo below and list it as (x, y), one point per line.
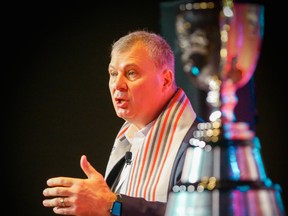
(133, 131)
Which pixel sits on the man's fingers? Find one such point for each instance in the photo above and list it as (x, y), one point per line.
(87, 168)
(61, 202)
(60, 181)
(56, 191)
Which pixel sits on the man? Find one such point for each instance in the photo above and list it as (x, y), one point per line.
(159, 120)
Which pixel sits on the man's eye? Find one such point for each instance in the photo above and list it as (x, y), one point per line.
(131, 73)
(113, 73)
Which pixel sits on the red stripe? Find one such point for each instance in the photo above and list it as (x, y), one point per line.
(159, 144)
(147, 147)
(135, 188)
(143, 161)
(169, 146)
(122, 132)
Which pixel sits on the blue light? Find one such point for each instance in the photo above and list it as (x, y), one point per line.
(243, 188)
(195, 71)
(258, 159)
(233, 163)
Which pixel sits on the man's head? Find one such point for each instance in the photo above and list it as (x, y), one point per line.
(141, 76)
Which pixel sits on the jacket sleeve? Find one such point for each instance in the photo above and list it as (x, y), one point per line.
(132, 206)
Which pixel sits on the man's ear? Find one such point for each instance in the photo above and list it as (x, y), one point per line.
(168, 78)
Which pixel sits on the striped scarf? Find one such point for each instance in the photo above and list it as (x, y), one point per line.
(152, 165)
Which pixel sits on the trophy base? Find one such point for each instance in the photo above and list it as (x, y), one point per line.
(227, 202)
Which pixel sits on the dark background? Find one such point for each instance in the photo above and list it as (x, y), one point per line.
(56, 99)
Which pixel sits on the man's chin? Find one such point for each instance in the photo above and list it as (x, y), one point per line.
(123, 114)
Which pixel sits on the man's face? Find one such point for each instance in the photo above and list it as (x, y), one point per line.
(135, 85)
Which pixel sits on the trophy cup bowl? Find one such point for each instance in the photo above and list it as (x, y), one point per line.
(242, 28)
(241, 35)
(217, 40)
(220, 45)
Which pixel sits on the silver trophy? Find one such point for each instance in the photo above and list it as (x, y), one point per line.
(223, 172)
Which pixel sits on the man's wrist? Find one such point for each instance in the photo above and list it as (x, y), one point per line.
(116, 208)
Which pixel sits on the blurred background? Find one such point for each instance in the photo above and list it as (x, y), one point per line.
(56, 98)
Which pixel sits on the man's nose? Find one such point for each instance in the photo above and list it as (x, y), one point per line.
(120, 82)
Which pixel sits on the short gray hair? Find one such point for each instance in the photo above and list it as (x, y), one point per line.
(157, 47)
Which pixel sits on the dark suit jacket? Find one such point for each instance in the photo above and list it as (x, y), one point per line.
(132, 206)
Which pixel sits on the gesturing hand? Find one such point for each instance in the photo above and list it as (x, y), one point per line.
(81, 197)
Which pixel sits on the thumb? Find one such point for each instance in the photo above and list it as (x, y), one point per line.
(87, 168)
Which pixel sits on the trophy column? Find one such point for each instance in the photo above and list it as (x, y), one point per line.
(223, 172)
